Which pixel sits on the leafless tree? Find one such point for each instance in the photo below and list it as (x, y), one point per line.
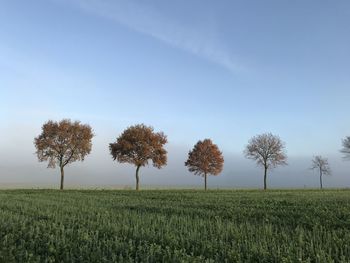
(320, 163)
(62, 143)
(137, 145)
(267, 150)
(205, 159)
(346, 147)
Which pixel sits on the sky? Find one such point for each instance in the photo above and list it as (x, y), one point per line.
(225, 70)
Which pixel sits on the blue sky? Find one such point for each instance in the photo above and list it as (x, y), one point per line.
(226, 70)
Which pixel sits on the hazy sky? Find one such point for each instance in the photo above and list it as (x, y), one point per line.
(195, 69)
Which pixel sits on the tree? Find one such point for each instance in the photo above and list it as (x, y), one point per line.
(320, 163)
(267, 150)
(346, 147)
(137, 145)
(205, 159)
(62, 143)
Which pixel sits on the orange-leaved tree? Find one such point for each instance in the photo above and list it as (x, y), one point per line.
(138, 145)
(64, 142)
(205, 159)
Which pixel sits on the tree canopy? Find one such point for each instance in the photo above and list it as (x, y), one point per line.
(205, 159)
(62, 143)
(138, 145)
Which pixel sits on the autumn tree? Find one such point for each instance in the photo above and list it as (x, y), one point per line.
(138, 145)
(267, 150)
(346, 147)
(322, 165)
(205, 159)
(62, 143)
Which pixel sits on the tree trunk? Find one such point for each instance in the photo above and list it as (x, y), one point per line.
(320, 178)
(62, 178)
(137, 178)
(205, 181)
(265, 173)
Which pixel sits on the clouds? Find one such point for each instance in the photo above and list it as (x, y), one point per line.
(200, 40)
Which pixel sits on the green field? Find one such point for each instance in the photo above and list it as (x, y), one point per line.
(175, 226)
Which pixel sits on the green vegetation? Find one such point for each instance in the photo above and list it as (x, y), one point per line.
(175, 226)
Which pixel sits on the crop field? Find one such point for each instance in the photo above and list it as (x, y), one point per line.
(175, 226)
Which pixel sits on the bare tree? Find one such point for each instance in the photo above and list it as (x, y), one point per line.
(267, 150)
(346, 147)
(137, 145)
(205, 159)
(320, 163)
(62, 143)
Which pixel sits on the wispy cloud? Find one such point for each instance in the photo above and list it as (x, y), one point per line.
(140, 17)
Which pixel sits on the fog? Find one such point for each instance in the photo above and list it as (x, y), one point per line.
(192, 70)
(20, 168)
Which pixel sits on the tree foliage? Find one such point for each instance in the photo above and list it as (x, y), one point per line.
(64, 142)
(205, 159)
(138, 145)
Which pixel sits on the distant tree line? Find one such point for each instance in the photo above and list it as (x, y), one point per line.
(64, 142)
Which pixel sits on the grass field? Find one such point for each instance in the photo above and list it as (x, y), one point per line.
(175, 226)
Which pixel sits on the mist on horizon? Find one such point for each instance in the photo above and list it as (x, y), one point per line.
(22, 169)
(194, 70)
